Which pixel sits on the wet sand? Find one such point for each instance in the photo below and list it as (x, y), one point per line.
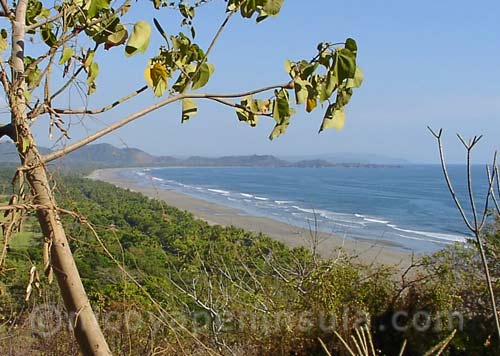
(366, 251)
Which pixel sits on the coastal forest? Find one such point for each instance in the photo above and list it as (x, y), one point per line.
(163, 282)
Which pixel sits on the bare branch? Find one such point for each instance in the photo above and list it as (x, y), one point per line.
(498, 184)
(490, 192)
(213, 43)
(57, 154)
(476, 229)
(447, 178)
(65, 86)
(469, 180)
(103, 109)
(491, 179)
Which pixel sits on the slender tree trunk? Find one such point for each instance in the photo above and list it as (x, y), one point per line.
(86, 328)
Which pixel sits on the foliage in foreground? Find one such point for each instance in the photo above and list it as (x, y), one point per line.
(186, 285)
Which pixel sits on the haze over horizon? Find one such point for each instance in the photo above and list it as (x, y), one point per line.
(426, 63)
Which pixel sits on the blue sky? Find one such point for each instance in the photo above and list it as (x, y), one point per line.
(426, 63)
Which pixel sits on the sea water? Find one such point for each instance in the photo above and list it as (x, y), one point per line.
(409, 207)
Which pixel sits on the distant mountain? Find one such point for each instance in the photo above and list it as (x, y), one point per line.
(8, 153)
(106, 155)
(348, 157)
(240, 161)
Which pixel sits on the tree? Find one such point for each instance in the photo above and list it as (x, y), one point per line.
(28, 79)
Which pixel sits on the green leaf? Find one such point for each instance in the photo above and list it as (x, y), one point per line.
(301, 92)
(89, 59)
(247, 117)
(201, 78)
(279, 129)
(27, 96)
(346, 61)
(281, 113)
(334, 118)
(25, 144)
(117, 38)
(157, 77)
(308, 70)
(273, 7)
(139, 39)
(343, 97)
(357, 80)
(189, 109)
(34, 75)
(48, 36)
(93, 72)
(281, 108)
(96, 6)
(351, 45)
(330, 84)
(66, 55)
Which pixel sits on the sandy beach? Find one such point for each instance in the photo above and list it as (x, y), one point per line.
(367, 251)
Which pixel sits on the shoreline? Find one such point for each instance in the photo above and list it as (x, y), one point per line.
(366, 251)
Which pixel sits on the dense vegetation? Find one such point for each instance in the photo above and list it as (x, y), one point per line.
(164, 282)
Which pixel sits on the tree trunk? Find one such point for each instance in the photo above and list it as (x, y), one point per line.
(84, 322)
(86, 328)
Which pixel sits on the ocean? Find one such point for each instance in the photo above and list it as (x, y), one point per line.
(408, 206)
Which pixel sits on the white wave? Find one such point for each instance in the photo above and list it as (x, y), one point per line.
(376, 221)
(424, 239)
(261, 198)
(247, 200)
(198, 188)
(280, 202)
(142, 174)
(433, 235)
(348, 226)
(231, 199)
(339, 217)
(218, 191)
(359, 215)
(310, 211)
(246, 195)
(335, 217)
(157, 179)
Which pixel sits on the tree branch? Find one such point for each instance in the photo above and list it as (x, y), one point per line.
(58, 154)
(469, 147)
(241, 107)
(103, 109)
(491, 192)
(76, 32)
(447, 178)
(476, 229)
(212, 44)
(63, 12)
(65, 86)
(5, 8)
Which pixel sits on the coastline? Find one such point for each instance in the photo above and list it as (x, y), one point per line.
(366, 251)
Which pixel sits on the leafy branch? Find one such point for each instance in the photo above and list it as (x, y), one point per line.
(70, 148)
